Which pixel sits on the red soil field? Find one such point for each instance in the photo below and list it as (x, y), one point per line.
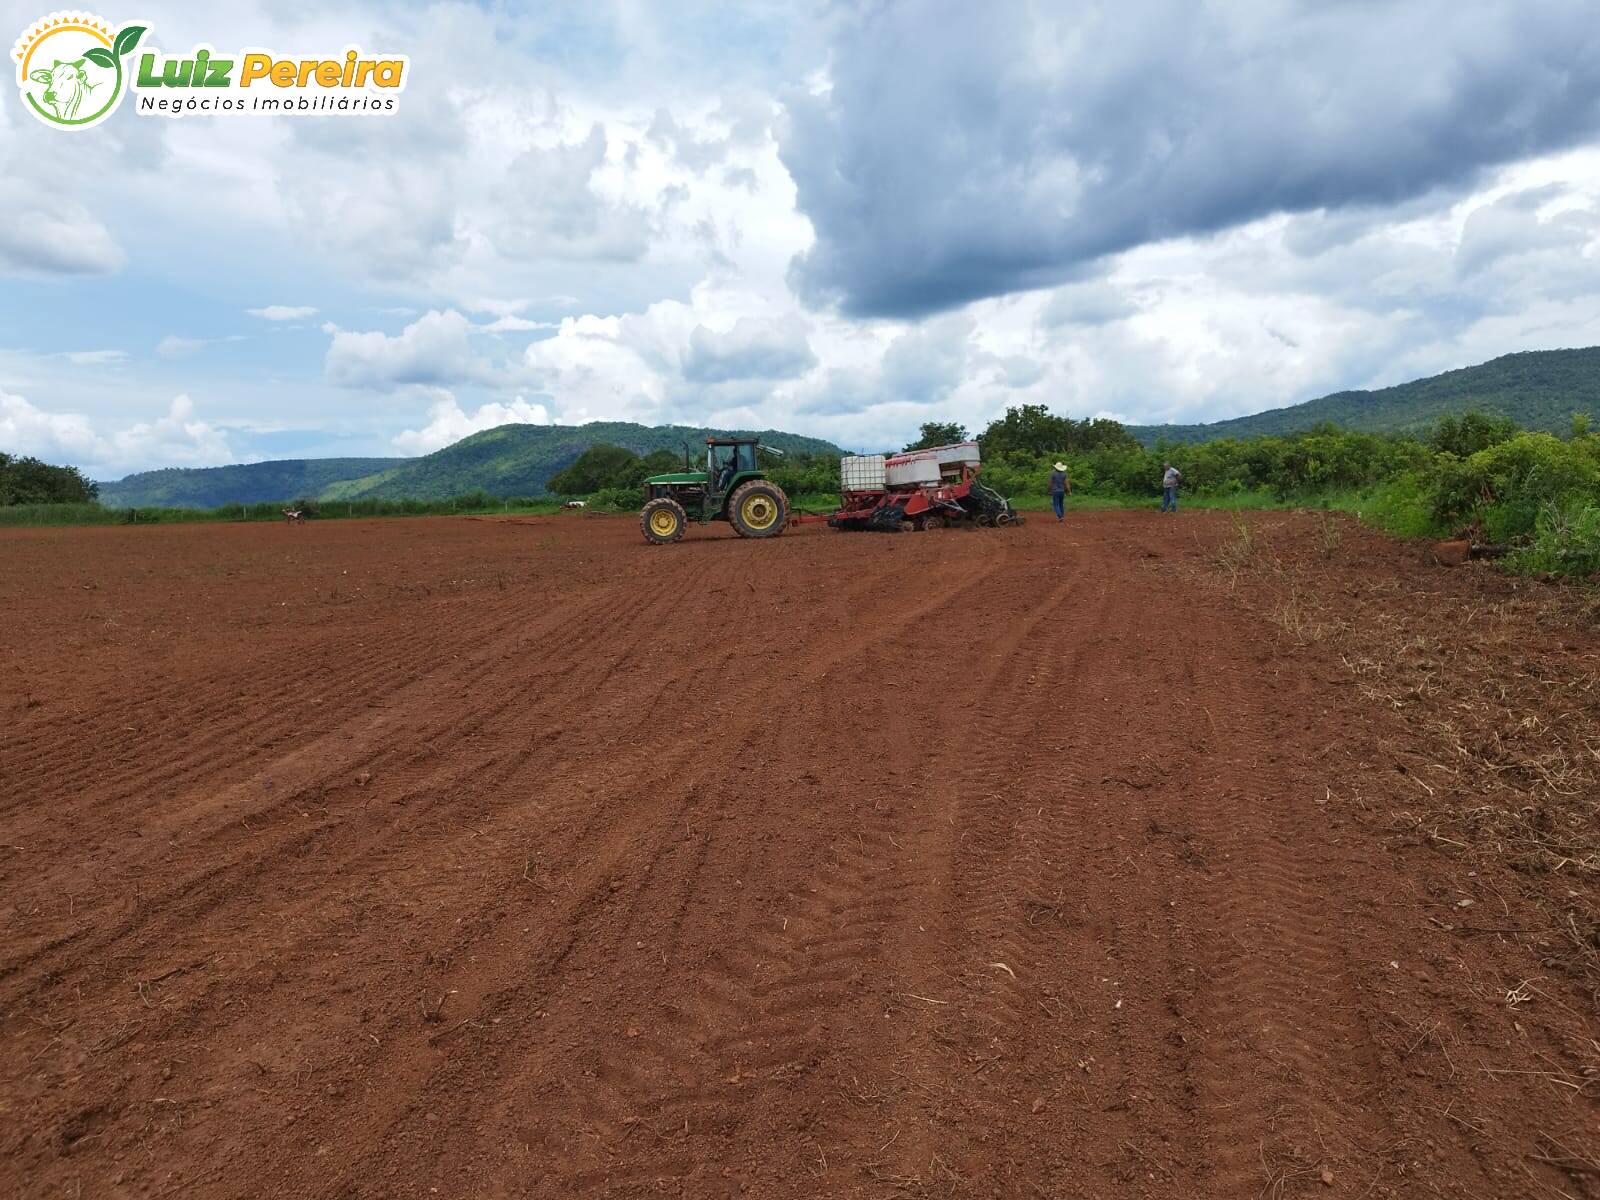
(515, 857)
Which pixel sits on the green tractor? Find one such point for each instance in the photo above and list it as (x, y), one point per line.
(732, 488)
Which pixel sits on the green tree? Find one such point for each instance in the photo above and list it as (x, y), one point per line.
(1034, 429)
(1471, 432)
(803, 474)
(661, 462)
(1029, 429)
(29, 481)
(939, 433)
(600, 466)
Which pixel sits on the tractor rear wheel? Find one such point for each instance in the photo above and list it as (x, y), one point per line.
(663, 520)
(758, 509)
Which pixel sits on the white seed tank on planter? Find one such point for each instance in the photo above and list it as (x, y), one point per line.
(918, 469)
(861, 473)
(957, 454)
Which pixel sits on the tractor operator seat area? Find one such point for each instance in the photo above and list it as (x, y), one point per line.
(728, 461)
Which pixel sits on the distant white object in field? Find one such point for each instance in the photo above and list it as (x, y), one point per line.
(293, 515)
(576, 504)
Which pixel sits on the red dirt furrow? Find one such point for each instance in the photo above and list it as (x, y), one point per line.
(946, 865)
(278, 709)
(319, 772)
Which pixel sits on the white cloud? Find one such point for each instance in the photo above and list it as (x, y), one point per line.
(435, 349)
(25, 429)
(447, 423)
(283, 312)
(176, 439)
(597, 370)
(751, 349)
(551, 207)
(511, 323)
(95, 358)
(173, 346)
(54, 235)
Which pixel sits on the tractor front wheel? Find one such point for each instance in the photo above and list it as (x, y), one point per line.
(663, 520)
(758, 509)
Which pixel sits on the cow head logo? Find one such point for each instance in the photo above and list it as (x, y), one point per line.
(70, 68)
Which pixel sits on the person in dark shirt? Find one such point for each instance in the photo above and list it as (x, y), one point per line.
(1060, 485)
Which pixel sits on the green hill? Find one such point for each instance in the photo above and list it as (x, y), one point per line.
(1539, 389)
(249, 483)
(510, 460)
(517, 460)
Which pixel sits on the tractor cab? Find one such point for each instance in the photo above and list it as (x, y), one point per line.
(732, 488)
(727, 463)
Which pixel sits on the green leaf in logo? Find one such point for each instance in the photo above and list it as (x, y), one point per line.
(100, 57)
(129, 38)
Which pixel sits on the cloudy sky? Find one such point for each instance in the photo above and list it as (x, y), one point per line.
(840, 219)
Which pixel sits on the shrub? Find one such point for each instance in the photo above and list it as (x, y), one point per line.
(1503, 490)
(617, 499)
(1566, 541)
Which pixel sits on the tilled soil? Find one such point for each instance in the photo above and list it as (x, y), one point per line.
(504, 858)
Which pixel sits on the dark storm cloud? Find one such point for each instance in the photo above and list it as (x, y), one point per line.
(969, 150)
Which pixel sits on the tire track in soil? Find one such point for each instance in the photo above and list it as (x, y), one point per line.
(412, 764)
(1282, 1095)
(280, 712)
(185, 707)
(843, 926)
(309, 792)
(321, 633)
(1125, 1059)
(263, 865)
(757, 853)
(607, 1105)
(1027, 952)
(971, 896)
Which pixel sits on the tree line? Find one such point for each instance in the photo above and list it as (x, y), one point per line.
(26, 480)
(1478, 475)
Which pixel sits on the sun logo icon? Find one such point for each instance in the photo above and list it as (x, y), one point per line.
(70, 70)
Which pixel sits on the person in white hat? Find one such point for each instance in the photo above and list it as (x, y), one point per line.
(1060, 485)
